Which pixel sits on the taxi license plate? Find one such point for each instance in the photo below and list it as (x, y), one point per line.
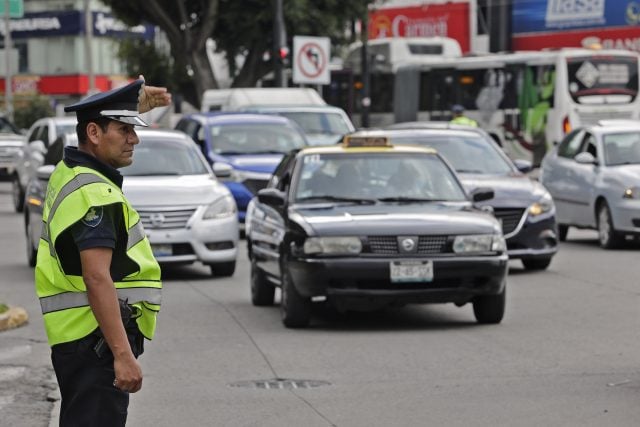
(411, 271)
(161, 250)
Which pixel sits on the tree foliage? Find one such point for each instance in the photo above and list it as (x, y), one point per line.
(238, 28)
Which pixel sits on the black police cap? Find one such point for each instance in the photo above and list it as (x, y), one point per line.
(119, 104)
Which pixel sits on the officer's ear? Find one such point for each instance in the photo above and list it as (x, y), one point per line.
(93, 132)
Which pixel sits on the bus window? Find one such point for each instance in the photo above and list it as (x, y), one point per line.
(597, 76)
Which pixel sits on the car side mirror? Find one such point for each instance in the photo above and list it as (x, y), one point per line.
(585, 158)
(38, 146)
(222, 170)
(523, 166)
(44, 172)
(271, 197)
(481, 194)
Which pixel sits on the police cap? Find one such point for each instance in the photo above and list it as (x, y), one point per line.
(119, 104)
(457, 108)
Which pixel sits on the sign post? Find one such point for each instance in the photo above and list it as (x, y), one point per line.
(311, 60)
(10, 9)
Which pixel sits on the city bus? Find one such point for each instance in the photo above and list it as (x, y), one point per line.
(526, 100)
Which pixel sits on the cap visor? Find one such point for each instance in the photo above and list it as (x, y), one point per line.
(130, 120)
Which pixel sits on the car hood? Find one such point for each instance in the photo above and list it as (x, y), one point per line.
(396, 219)
(323, 138)
(509, 191)
(187, 190)
(265, 163)
(628, 174)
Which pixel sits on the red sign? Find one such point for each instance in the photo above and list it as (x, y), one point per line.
(613, 38)
(446, 20)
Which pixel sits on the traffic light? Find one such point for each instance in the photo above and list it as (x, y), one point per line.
(283, 55)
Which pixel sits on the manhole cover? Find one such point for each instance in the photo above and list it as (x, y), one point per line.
(279, 384)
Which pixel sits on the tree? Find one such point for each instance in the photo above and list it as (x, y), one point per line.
(238, 28)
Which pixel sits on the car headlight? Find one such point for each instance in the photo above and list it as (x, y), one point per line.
(332, 245)
(542, 206)
(479, 243)
(631, 193)
(223, 207)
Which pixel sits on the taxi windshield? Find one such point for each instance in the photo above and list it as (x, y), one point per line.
(375, 177)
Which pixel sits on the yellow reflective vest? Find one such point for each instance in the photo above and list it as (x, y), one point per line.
(466, 121)
(63, 297)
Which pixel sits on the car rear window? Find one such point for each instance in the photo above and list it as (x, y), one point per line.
(260, 138)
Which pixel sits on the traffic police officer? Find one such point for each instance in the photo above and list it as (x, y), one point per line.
(459, 118)
(96, 277)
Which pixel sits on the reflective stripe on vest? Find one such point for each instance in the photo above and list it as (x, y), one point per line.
(67, 300)
(71, 186)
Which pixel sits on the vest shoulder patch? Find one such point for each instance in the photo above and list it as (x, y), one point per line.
(93, 217)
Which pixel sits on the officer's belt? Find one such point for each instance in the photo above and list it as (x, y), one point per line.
(66, 300)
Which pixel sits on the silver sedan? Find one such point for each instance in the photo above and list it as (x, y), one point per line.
(594, 178)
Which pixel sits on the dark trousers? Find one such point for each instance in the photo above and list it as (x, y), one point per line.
(89, 398)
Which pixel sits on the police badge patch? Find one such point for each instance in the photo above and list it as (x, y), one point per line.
(93, 217)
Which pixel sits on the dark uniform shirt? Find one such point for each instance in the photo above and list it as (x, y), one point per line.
(101, 227)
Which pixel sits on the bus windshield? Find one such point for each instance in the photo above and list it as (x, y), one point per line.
(603, 79)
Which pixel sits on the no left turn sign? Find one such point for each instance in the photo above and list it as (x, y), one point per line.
(311, 60)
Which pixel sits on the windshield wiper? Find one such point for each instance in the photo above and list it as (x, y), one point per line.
(268, 152)
(153, 174)
(409, 199)
(337, 199)
(469, 171)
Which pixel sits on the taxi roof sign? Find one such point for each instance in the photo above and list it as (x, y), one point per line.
(366, 141)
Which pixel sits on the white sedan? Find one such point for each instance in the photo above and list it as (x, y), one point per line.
(187, 213)
(594, 178)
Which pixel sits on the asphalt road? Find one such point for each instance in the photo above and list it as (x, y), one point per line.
(566, 354)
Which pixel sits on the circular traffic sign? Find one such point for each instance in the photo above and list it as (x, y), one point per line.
(312, 60)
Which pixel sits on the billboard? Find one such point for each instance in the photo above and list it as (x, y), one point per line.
(446, 20)
(576, 23)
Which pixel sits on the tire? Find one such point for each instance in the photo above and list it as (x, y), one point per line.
(489, 309)
(262, 292)
(536, 263)
(294, 308)
(563, 230)
(17, 193)
(608, 237)
(223, 269)
(32, 252)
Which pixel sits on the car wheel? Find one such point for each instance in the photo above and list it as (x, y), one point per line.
(563, 230)
(536, 263)
(490, 308)
(262, 292)
(32, 252)
(223, 269)
(608, 237)
(294, 308)
(17, 193)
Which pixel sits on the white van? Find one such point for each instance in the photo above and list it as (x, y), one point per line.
(240, 98)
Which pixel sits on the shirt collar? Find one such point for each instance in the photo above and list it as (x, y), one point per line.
(74, 157)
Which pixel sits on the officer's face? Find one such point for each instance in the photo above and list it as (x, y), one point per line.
(116, 145)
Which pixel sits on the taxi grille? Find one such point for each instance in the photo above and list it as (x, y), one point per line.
(509, 217)
(254, 185)
(388, 245)
(165, 218)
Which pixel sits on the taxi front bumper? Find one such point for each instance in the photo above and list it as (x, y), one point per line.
(455, 279)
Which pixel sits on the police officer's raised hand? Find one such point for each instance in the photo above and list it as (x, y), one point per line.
(151, 97)
(128, 372)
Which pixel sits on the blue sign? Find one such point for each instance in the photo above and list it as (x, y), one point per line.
(557, 15)
(72, 22)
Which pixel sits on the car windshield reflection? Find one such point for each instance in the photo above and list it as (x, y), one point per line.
(165, 157)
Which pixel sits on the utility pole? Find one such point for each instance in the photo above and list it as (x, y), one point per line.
(280, 49)
(88, 46)
(366, 75)
(8, 47)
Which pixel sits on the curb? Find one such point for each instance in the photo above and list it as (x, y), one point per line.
(13, 318)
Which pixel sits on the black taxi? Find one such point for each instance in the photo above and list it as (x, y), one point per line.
(364, 224)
